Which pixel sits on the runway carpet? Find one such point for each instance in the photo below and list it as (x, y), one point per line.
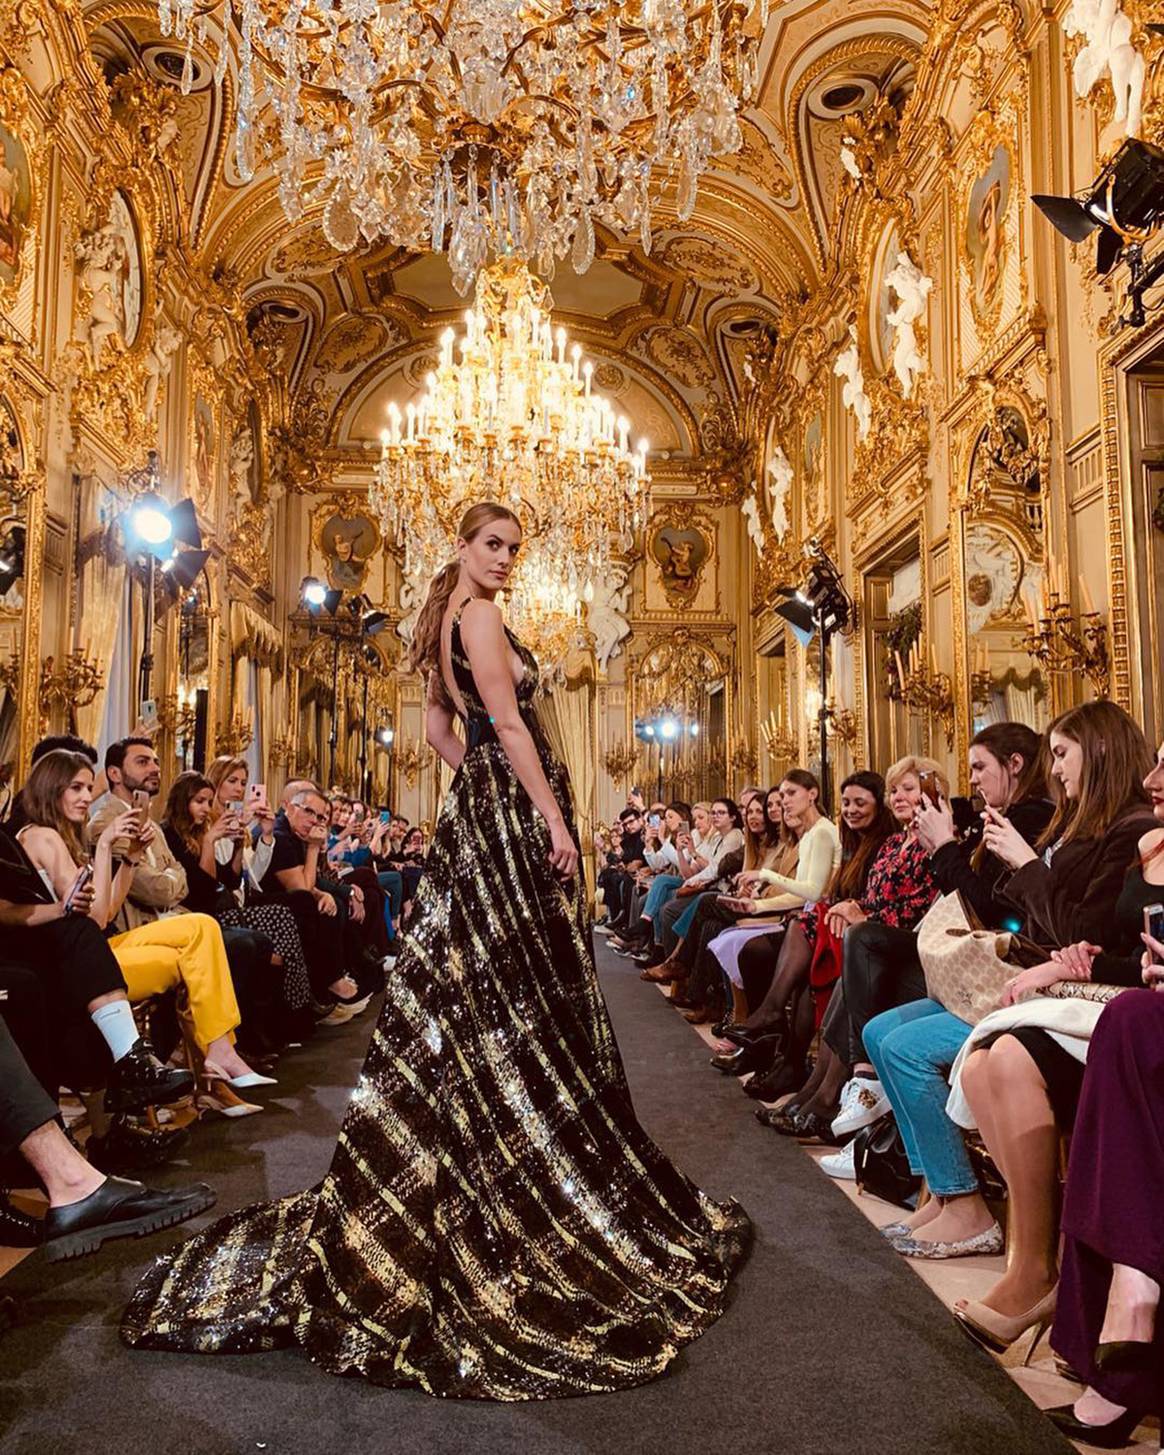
(830, 1344)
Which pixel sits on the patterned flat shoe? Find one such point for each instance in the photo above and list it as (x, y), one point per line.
(981, 1245)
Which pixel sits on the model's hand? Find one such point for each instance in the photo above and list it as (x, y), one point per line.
(563, 851)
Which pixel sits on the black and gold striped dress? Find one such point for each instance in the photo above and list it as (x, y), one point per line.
(495, 1223)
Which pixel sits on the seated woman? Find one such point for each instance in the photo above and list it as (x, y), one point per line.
(689, 838)
(773, 968)
(899, 890)
(1107, 1323)
(778, 829)
(154, 957)
(912, 1046)
(1023, 1085)
(726, 839)
(209, 846)
(411, 866)
(662, 856)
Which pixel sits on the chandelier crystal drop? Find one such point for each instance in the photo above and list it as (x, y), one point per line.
(482, 126)
(510, 414)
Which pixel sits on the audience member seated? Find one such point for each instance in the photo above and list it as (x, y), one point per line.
(899, 890)
(773, 825)
(1107, 1323)
(725, 840)
(661, 851)
(76, 1029)
(1014, 1080)
(617, 879)
(803, 877)
(85, 1208)
(155, 955)
(913, 1045)
(293, 878)
(773, 967)
(690, 835)
(209, 845)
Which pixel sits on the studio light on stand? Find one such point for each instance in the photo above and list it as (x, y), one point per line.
(822, 607)
(352, 620)
(665, 729)
(385, 737)
(154, 530)
(1124, 205)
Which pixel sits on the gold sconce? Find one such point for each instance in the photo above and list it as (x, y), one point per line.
(620, 761)
(744, 761)
(780, 743)
(927, 692)
(981, 681)
(74, 684)
(282, 750)
(236, 737)
(1061, 643)
(178, 715)
(842, 724)
(410, 759)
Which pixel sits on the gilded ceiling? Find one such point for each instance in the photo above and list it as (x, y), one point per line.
(670, 333)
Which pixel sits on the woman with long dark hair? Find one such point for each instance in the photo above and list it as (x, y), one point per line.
(912, 1046)
(495, 1223)
(774, 970)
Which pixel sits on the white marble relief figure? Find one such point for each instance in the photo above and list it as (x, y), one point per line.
(912, 287)
(779, 491)
(750, 510)
(159, 361)
(1108, 51)
(104, 267)
(606, 613)
(848, 368)
(242, 455)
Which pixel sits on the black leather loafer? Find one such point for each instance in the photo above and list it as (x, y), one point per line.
(119, 1209)
(139, 1080)
(128, 1148)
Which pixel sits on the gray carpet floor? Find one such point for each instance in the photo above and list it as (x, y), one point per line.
(830, 1344)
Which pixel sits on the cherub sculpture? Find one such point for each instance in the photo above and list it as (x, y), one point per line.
(912, 287)
(848, 368)
(780, 490)
(1108, 51)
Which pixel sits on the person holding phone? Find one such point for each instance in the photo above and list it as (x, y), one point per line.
(275, 998)
(154, 956)
(1022, 1088)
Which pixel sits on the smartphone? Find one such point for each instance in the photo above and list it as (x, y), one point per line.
(236, 807)
(149, 714)
(1154, 926)
(929, 786)
(654, 820)
(258, 793)
(79, 884)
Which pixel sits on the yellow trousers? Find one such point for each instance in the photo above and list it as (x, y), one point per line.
(182, 949)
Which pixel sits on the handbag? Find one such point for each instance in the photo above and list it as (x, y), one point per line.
(1084, 990)
(882, 1166)
(825, 968)
(966, 966)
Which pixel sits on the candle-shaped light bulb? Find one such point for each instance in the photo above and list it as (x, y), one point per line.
(394, 421)
(623, 431)
(588, 374)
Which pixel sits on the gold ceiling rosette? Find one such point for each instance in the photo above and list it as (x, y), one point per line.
(481, 125)
(510, 414)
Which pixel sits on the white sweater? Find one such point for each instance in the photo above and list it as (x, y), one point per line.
(820, 854)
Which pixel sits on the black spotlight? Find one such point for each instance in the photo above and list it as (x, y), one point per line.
(1124, 205)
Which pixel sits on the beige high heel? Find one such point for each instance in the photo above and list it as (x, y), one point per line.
(216, 1095)
(997, 1332)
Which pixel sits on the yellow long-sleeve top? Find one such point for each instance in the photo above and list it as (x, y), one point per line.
(820, 856)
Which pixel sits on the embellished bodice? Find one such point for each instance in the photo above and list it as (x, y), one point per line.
(478, 722)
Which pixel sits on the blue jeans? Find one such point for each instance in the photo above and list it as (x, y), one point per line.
(913, 1047)
(663, 886)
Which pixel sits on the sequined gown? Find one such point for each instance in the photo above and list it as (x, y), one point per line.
(495, 1223)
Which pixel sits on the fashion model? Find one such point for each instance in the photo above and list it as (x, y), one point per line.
(495, 1223)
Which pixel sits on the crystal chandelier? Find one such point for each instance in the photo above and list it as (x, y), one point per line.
(482, 125)
(510, 415)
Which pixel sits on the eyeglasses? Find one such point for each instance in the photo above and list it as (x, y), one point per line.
(312, 813)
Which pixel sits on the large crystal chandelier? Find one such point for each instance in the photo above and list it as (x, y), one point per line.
(510, 414)
(482, 125)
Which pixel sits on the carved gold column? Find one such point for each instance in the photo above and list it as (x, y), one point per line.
(28, 706)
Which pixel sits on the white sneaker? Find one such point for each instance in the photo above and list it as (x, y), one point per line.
(388, 962)
(840, 1164)
(862, 1102)
(339, 1015)
(604, 928)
